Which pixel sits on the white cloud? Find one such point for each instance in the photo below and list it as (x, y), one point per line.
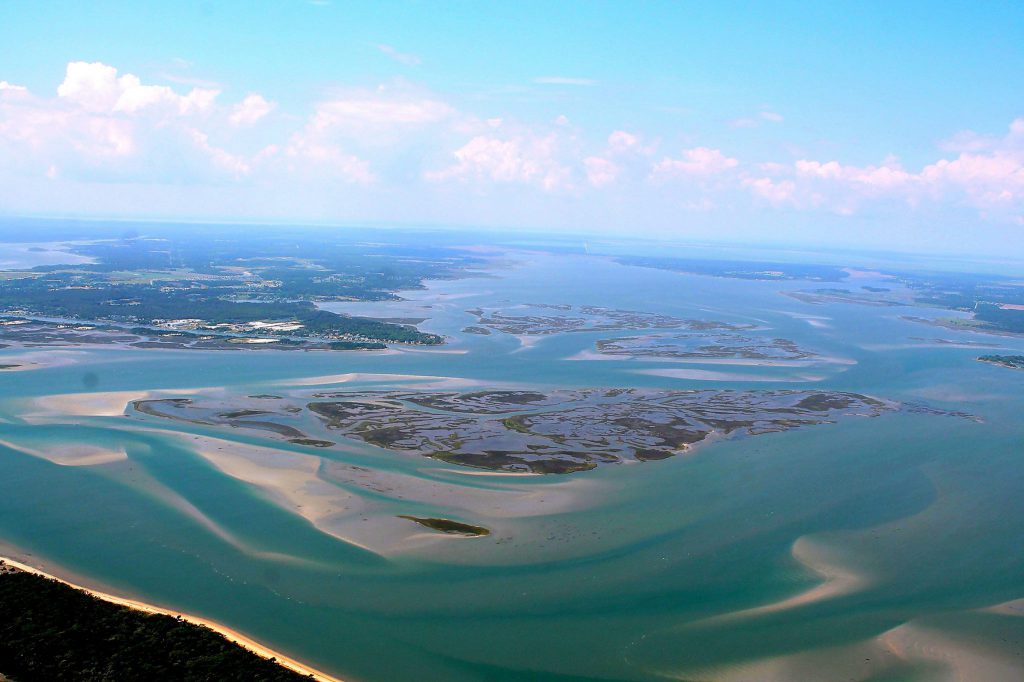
(250, 110)
(383, 108)
(621, 141)
(600, 171)
(96, 87)
(306, 155)
(224, 160)
(519, 160)
(775, 192)
(103, 125)
(887, 176)
(697, 161)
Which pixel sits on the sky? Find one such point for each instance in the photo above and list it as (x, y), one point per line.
(870, 124)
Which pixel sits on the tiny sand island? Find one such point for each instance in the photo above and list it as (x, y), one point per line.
(448, 526)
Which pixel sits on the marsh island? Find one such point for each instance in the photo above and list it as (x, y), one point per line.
(551, 432)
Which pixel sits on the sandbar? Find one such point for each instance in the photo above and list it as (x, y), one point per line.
(708, 375)
(72, 454)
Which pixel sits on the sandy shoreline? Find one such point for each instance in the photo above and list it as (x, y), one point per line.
(231, 635)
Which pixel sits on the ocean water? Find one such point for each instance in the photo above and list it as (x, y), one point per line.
(869, 549)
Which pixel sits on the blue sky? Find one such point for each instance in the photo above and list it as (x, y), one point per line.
(855, 124)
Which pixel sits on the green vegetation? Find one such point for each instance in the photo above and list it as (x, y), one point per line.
(1011, 361)
(220, 280)
(356, 345)
(1003, 319)
(50, 631)
(516, 423)
(448, 526)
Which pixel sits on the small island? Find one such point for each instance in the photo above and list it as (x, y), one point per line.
(448, 526)
(1009, 361)
(542, 319)
(716, 345)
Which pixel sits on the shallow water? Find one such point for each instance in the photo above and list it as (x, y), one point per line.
(863, 549)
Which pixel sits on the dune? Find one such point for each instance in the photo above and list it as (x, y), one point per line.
(290, 479)
(144, 481)
(101, 404)
(708, 375)
(526, 342)
(327, 379)
(739, 362)
(98, 404)
(1014, 607)
(856, 662)
(432, 351)
(40, 359)
(961, 660)
(941, 654)
(837, 580)
(71, 454)
(496, 499)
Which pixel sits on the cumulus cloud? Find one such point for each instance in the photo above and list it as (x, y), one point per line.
(103, 125)
(775, 192)
(987, 175)
(601, 171)
(306, 154)
(621, 141)
(888, 176)
(695, 162)
(382, 109)
(518, 160)
(97, 87)
(250, 110)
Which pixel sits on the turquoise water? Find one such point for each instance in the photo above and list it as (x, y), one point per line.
(906, 524)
